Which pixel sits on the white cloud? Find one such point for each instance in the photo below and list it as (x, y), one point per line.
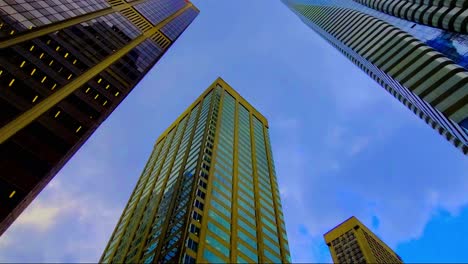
(5, 241)
(331, 175)
(403, 206)
(40, 217)
(325, 133)
(358, 145)
(66, 225)
(67, 222)
(43, 214)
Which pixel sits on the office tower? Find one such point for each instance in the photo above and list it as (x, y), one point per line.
(208, 192)
(65, 65)
(416, 50)
(353, 242)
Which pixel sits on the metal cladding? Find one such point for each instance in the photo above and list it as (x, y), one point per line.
(423, 67)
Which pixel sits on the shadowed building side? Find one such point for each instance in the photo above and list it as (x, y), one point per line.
(64, 67)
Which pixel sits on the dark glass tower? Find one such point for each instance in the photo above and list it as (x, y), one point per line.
(417, 50)
(64, 67)
(208, 193)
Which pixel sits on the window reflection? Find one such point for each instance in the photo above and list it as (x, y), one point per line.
(158, 10)
(22, 15)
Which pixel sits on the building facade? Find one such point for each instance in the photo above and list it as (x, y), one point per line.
(65, 65)
(417, 50)
(353, 242)
(208, 193)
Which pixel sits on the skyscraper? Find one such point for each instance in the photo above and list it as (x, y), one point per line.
(352, 242)
(208, 192)
(64, 67)
(416, 50)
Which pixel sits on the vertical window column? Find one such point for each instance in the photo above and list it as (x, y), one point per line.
(247, 235)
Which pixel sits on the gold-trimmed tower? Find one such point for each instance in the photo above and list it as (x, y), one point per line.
(352, 242)
(64, 67)
(208, 193)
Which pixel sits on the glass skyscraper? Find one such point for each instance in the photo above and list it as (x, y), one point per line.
(65, 65)
(417, 50)
(208, 193)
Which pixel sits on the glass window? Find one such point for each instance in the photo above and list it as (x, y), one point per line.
(268, 223)
(262, 169)
(245, 169)
(194, 229)
(264, 179)
(201, 183)
(192, 245)
(247, 239)
(221, 208)
(270, 234)
(247, 188)
(224, 200)
(242, 260)
(271, 256)
(219, 232)
(224, 160)
(248, 207)
(211, 257)
(248, 228)
(215, 243)
(221, 161)
(222, 188)
(227, 122)
(188, 259)
(248, 252)
(149, 259)
(250, 218)
(157, 10)
(268, 214)
(262, 188)
(220, 220)
(226, 148)
(225, 180)
(244, 146)
(245, 194)
(176, 26)
(226, 137)
(273, 246)
(196, 216)
(199, 205)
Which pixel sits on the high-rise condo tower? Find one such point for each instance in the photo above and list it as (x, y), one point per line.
(208, 192)
(416, 49)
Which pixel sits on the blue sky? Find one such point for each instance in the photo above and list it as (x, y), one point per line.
(342, 145)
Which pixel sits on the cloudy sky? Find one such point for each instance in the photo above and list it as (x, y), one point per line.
(342, 146)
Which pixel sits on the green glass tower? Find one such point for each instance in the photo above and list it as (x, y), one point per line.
(208, 192)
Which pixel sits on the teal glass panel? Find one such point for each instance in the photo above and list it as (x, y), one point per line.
(273, 258)
(219, 232)
(246, 251)
(211, 257)
(251, 242)
(212, 241)
(220, 220)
